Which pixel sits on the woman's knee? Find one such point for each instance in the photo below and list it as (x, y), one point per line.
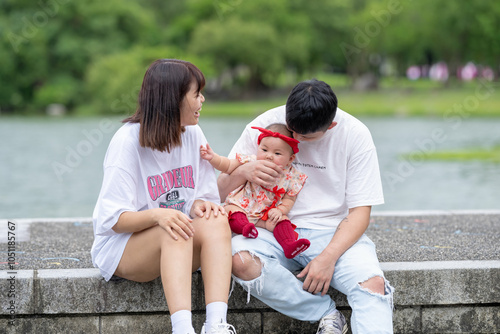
(166, 241)
(246, 266)
(214, 227)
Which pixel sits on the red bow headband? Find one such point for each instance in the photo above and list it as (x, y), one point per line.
(268, 133)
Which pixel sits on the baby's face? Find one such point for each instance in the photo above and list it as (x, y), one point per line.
(276, 150)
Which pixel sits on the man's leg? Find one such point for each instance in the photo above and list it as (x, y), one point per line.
(358, 275)
(267, 275)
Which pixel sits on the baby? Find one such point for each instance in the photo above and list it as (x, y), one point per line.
(252, 205)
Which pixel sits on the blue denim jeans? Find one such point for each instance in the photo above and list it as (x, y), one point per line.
(278, 287)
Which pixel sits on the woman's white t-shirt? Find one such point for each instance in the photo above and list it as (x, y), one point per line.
(342, 169)
(138, 178)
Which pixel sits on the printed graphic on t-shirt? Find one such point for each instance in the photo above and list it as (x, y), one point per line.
(172, 201)
(308, 165)
(161, 184)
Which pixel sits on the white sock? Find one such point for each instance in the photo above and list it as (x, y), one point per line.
(182, 322)
(216, 313)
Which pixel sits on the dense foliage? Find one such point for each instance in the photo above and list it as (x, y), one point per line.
(91, 55)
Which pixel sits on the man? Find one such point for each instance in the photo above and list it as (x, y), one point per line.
(332, 211)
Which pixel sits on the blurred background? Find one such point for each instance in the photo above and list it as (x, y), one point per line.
(423, 75)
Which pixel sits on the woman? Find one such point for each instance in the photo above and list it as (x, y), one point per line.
(157, 214)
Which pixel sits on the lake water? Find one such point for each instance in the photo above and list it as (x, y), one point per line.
(52, 167)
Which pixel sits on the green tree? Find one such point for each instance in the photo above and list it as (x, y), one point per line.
(462, 31)
(49, 45)
(114, 81)
(255, 40)
(409, 32)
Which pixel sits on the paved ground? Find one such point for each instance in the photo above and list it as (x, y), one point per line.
(61, 244)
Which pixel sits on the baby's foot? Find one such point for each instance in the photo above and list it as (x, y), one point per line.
(250, 231)
(295, 248)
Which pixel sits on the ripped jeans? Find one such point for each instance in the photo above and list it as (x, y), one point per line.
(278, 287)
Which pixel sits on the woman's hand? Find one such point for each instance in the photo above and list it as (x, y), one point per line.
(206, 208)
(174, 222)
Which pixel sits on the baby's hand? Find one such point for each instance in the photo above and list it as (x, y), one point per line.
(206, 152)
(274, 216)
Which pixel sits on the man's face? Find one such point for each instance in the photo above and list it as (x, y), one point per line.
(313, 136)
(308, 137)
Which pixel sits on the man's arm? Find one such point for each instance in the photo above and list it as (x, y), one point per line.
(320, 270)
(262, 172)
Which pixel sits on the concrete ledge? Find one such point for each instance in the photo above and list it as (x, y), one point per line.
(445, 268)
(84, 291)
(431, 296)
(445, 283)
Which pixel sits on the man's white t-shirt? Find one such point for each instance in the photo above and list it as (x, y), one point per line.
(138, 178)
(342, 169)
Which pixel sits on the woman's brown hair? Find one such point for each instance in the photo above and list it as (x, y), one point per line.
(165, 84)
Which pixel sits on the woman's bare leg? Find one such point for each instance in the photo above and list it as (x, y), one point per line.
(212, 251)
(151, 253)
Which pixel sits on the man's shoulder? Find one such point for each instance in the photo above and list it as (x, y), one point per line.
(275, 115)
(276, 110)
(349, 122)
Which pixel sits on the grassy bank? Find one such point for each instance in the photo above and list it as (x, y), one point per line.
(393, 98)
(477, 154)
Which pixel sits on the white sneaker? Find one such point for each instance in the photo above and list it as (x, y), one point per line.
(333, 323)
(220, 328)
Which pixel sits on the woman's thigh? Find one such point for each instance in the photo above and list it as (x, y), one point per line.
(141, 259)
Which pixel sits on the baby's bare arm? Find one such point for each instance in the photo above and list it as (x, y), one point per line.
(220, 163)
(224, 164)
(287, 204)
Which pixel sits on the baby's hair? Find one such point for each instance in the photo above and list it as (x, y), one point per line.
(279, 128)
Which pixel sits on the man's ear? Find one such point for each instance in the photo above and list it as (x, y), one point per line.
(332, 125)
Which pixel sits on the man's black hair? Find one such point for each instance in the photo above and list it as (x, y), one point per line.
(311, 107)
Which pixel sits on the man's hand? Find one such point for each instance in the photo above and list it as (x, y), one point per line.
(261, 172)
(318, 273)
